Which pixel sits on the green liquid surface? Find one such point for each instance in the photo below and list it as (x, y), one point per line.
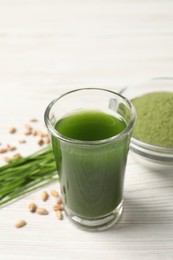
(90, 126)
(91, 176)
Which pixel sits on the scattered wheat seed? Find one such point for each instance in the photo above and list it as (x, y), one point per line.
(16, 156)
(28, 132)
(59, 200)
(22, 141)
(34, 132)
(40, 142)
(42, 211)
(32, 207)
(59, 214)
(34, 120)
(54, 193)
(47, 140)
(40, 133)
(12, 130)
(44, 196)
(46, 135)
(3, 150)
(11, 148)
(58, 207)
(27, 126)
(20, 223)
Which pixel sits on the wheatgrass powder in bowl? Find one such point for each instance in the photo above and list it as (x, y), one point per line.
(154, 123)
(152, 138)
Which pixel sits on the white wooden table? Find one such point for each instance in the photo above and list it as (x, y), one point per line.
(52, 46)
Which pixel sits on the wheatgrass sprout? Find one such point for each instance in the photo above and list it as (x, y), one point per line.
(23, 175)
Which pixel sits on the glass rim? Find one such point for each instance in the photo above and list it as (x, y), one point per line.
(119, 136)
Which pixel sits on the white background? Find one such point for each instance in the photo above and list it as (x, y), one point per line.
(48, 47)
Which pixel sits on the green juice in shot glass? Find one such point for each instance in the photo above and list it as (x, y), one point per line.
(90, 131)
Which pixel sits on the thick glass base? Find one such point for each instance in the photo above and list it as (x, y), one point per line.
(96, 224)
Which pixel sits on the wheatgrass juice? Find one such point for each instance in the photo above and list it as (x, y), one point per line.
(91, 179)
(90, 130)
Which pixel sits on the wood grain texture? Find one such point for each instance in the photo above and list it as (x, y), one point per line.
(49, 47)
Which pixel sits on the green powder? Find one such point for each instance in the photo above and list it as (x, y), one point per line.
(154, 118)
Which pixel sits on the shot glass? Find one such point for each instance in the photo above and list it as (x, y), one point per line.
(91, 172)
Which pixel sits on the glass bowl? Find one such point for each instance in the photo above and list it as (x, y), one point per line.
(150, 155)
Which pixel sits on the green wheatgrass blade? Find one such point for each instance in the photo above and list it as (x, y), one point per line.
(31, 158)
(23, 191)
(24, 175)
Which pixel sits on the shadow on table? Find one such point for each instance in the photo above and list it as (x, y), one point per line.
(152, 207)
